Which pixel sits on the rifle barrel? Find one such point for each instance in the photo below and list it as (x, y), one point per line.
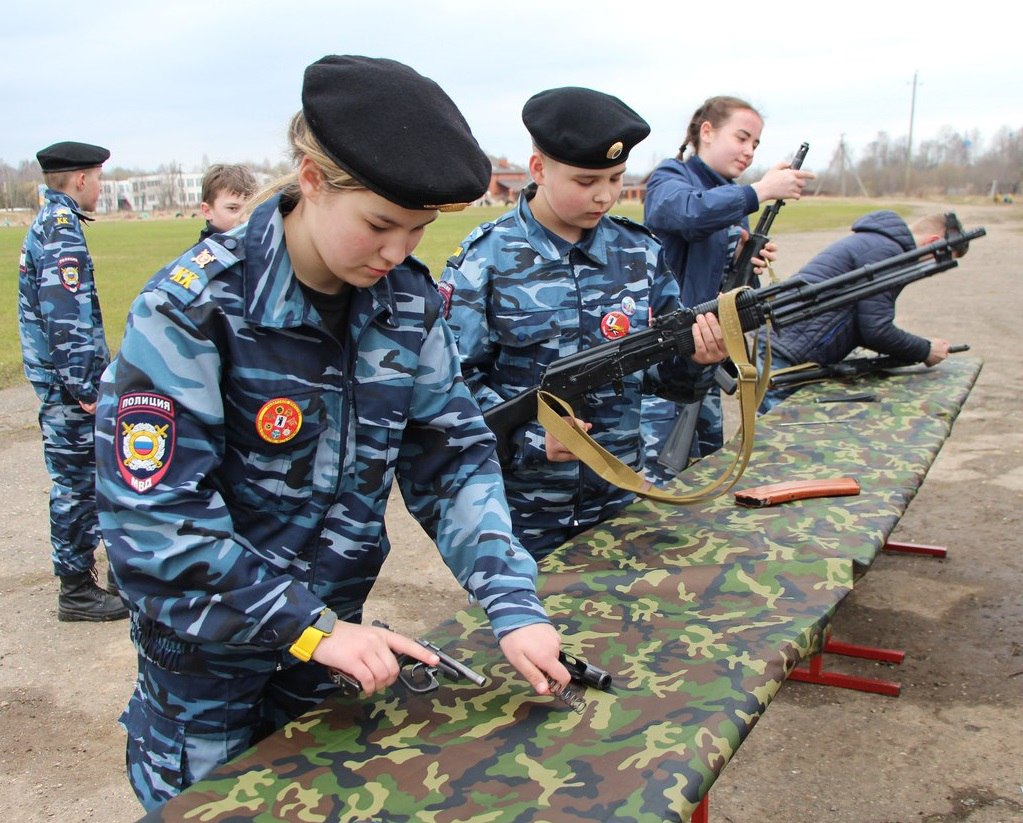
(671, 336)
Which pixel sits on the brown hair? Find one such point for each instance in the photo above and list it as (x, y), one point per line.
(715, 110)
(234, 178)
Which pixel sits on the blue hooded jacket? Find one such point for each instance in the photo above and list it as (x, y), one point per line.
(870, 322)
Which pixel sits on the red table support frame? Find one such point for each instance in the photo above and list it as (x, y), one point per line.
(915, 548)
(814, 673)
(702, 813)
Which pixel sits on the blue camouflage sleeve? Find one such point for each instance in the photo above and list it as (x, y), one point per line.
(66, 300)
(170, 537)
(451, 482)
(465, 284)
(679, 379)
(466, 287)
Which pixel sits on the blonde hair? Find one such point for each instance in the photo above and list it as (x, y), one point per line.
(59, 180)
(939, 224)
(929, 224)
(304, 144)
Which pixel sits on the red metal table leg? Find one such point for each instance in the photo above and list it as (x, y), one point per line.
(914, 548)
(702, 813)
(865, 652)
(814, 672)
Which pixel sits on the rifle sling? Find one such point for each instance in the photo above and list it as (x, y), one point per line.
(795, 370)
(610, 468)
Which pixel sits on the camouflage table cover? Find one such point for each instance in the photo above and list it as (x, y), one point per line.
(887, 445)
(699, 613)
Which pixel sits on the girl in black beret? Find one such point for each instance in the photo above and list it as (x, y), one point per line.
(272, 384)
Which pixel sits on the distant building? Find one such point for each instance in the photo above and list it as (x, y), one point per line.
(173, 190)
(506, 181)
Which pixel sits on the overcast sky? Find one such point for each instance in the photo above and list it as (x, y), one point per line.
(178, 80)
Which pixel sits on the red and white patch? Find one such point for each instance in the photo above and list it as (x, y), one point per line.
(446, 290)
(279, 420)
(144, 438)
(614, 325)
(69, 269)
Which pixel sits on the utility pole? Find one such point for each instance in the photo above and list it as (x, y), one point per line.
(909, 144)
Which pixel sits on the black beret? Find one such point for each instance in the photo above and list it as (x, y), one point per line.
(583, 127)
(394, 131)
(71, 156)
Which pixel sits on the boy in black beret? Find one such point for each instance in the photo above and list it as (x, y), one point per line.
(65, 351)
(556, 275)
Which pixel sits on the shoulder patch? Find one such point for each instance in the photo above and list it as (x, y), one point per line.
(456, 258)
(62, 216)
(190, 273)
(629, 223)
(446, 289)
(144, 438)
(69, 268)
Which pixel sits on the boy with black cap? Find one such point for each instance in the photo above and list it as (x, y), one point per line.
(64, 352)
(244, 468)
(556, 275)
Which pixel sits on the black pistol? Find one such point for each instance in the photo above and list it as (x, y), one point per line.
(418, 677)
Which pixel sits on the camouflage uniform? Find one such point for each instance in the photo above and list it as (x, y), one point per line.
(64, 352)
(521, 298)
(234, 516)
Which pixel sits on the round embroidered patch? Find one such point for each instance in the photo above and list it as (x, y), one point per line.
(279, 420)
(614, 325)
(145, 438)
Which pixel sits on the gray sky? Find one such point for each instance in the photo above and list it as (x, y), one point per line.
(174, 81)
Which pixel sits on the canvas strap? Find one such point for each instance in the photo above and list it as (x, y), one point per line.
(552, 412)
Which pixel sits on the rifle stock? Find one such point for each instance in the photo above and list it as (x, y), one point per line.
(572, 376)
(740, 272)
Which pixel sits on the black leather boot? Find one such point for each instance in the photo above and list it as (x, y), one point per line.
(81, 598)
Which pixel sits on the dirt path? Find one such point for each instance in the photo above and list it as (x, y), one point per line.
(949, 749)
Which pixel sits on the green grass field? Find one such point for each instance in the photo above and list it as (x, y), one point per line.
(128, 252)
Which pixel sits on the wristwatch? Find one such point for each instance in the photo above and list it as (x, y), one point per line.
(307, 642)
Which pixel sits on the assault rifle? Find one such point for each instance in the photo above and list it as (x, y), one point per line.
(740, 272)
(672, 336)
(416, 675)
(848, 369)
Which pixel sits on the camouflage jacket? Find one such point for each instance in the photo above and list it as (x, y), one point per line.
(59, 316)
(245, 455)
(518, 301)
